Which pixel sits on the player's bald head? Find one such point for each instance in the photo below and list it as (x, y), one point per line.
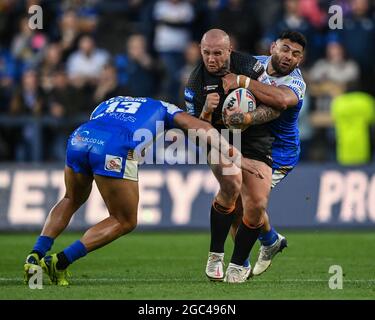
(216, 36)
(215, 51)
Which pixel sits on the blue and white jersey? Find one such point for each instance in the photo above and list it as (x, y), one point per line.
(286, 147)
(135, 113)
(105, 145)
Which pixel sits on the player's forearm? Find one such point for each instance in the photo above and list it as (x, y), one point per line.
(269, 95)
(209, 135)
(205, 116)
(261, 114)
(206, 133)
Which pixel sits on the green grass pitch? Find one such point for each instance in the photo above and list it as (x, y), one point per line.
(171, 265)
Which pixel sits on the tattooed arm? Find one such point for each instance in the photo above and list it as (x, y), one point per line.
(260, 115)
(263, 114)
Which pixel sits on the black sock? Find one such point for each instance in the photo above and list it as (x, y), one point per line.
(40, 256)
(62, 261)
(220, 225)
(243, 243)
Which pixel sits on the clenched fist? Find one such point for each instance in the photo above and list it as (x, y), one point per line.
(212, 101)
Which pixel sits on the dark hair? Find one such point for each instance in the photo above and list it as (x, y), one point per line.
(294, 36)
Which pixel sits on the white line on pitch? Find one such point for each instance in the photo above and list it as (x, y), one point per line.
(191, 280)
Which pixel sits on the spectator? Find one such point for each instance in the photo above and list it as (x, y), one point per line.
(7, 21)
(7, 78)
(85, 65)
(239, 18)
(332, 75)
(267, 12)
(173, 20)
(28, 45)
(192, 56)
(87, 13)
(28, 100)
(314, 12)
(63, 102)
(137, 69)
(69, 33)
(292, 19)
(358, 38)
(329, 77)
(353, 114)
(108, 85)
(51, 61)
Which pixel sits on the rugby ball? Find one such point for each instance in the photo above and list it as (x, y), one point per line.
(243, 99)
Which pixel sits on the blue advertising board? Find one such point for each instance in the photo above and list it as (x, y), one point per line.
(180, 196)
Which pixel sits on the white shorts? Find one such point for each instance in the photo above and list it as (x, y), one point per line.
(279, 174)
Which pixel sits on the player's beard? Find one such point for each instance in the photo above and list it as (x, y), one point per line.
(275, 60)
(225, 69)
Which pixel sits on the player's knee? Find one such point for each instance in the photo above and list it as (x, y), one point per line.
(128, 224)
(74, 200)
(253, 222)
(260, 206)
(230, 188)
(256, 206)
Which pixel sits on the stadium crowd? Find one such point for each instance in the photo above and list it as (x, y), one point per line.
(91, 50)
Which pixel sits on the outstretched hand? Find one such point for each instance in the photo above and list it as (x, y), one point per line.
(251, 168)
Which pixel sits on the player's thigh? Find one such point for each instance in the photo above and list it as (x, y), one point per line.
(121, 196)
(78, 185)
(255, 191)
(227, 181)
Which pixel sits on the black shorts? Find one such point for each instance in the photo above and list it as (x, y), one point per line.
(255, 144)
(255, 154)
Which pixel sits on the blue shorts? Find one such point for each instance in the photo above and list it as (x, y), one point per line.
(107, 151)
(282, 165)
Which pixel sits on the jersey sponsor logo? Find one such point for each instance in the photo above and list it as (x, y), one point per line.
(122, 117)
(258, 67)
(113, 163)
(212, 87)
(190, 108)
(83, 137)
(189, 95)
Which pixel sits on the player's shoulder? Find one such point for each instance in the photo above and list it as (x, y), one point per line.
(245, 63)
(196, 75)
(263, 59)
(242, 58)
(296, 73)
(194, 85)
(169, 107)
(297, 78)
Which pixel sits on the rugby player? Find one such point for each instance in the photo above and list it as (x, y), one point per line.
(204, 96)
(288, 90)
(218, 60)
(103, 149)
